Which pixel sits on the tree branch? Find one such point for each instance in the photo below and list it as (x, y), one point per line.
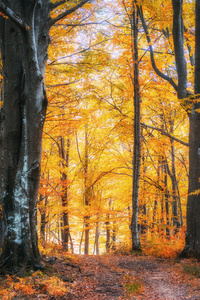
(55, 5)
(67, 12)
(16, 19)
(179, 48)
(79, 52)
(157, 71)
(61, 84)
(165, 133)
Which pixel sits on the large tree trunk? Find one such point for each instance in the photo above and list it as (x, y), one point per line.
(192, 247)
(24, 40)
(193, 206)
(24, 55)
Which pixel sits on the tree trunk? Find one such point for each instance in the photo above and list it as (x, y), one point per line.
(114, 235)
(24, 55)
(86, 193)
(1, 232)
(64, 197)
(107, 223)
(137, 137)
(81, 240)
(166, 197)
(96, 241)
(43, 220)
(175, 190)
(24, 41)
(71, 244)
(192, 247)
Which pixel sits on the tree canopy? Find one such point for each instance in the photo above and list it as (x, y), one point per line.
(118, 140)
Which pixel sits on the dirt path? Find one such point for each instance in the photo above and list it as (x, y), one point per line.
(110, 278)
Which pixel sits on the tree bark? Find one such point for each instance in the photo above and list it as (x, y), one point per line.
(96, 241)
(178, 30)
(43, 221)
(137, 137)
(64, 178)
(86, 193)
(24, 41)
(166, 196)
(22, 118)
(192, 246)
(107, 223)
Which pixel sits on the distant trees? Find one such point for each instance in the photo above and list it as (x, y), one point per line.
(190, 103)
(115, 151)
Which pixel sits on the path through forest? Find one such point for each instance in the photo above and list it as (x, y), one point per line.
(118, 277)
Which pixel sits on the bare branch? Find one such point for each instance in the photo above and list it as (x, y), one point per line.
(67, 12)
(165, 133)
(16, 19)
(157, 71)
(55, 5)
(61, 84)
(106, 173)
(79, 52)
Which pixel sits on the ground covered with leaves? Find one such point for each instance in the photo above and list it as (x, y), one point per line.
(106, 277)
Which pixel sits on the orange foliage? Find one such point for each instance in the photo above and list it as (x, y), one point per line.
(160, 245)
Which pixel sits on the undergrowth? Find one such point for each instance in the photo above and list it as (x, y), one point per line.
(160, 245)
(35, 284)
(192, 269)
(132, 285)
(156, 244)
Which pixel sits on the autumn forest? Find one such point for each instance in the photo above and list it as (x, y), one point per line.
(99, 139)
(85, 196)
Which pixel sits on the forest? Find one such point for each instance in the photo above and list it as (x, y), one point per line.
(99, 142)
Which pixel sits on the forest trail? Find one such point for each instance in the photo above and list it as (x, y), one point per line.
(113, 277)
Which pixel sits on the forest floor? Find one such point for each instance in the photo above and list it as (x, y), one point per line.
(109, 277)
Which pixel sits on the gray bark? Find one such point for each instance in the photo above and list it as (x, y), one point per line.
(24, 41)
(137, 138)
(192, 246)
(65, 191)
(22, 118)
(179, 48)
(107, 223)
(86, 193)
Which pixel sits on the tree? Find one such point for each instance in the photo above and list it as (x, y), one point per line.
(192, 246)
(191, 105)
(24, 41)
(137, 133)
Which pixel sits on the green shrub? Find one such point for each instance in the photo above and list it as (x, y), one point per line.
(192, 270)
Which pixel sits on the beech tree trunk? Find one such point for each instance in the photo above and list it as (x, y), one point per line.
(86, 194)
(192, 246)
(24, 40)
(137, 137)
(96, 240)
(166, 191)
(107, 223)
(65, 217)
(24, 55)
(114, 235)
(43, 217)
